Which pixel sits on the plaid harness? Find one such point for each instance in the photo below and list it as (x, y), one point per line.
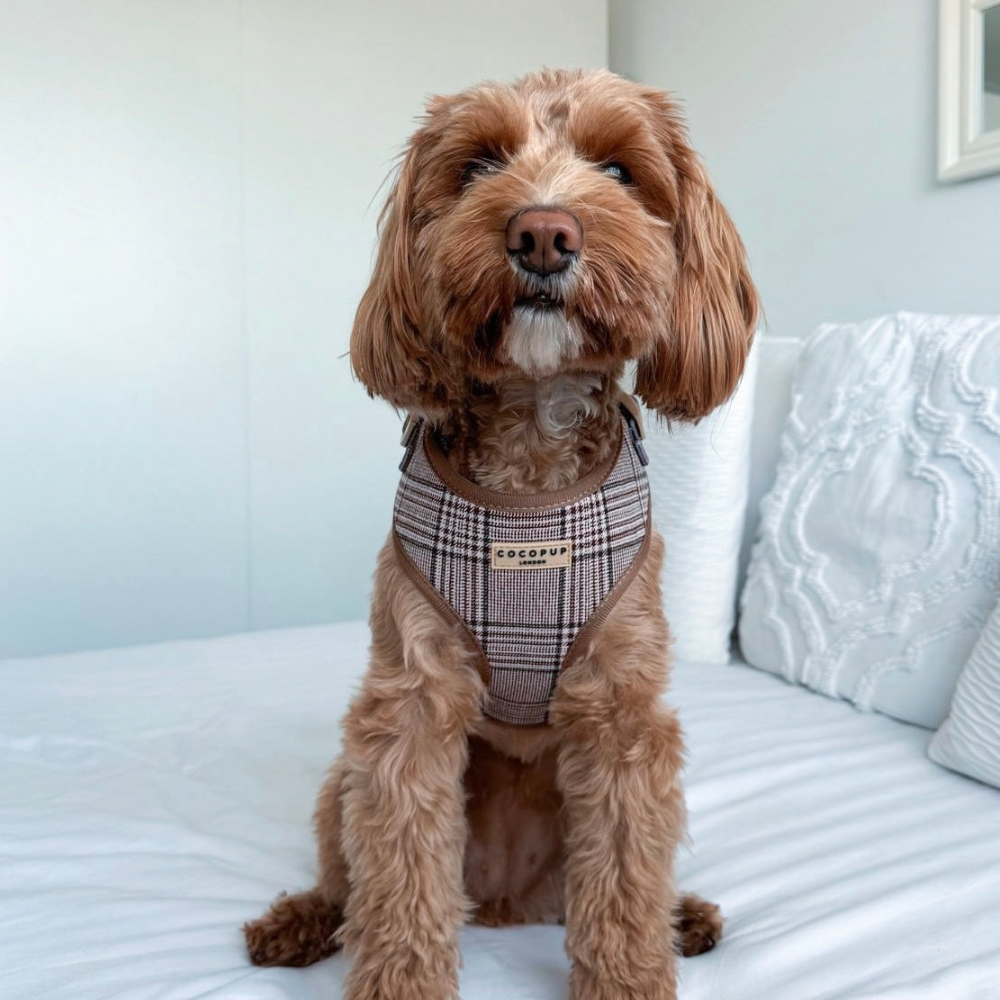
(528, 580)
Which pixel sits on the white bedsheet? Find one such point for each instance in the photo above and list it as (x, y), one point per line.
(153, 799)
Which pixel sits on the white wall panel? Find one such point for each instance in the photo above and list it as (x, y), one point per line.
(122, 466)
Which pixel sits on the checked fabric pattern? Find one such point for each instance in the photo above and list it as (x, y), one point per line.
(523, 621)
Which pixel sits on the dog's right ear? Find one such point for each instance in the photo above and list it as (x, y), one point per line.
(390, 352)
(698, 362)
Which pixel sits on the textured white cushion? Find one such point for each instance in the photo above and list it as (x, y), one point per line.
(699, 475)
(969, 740)
(878, 553)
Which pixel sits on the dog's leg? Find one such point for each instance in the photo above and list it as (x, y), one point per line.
(618, 770)
(404, 826)
(624, 814)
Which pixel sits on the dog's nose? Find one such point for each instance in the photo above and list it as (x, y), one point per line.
(544, 240)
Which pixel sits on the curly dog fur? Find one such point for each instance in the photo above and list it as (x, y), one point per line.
(538, 238)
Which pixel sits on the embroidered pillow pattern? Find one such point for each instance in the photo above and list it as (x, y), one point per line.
(878, 555)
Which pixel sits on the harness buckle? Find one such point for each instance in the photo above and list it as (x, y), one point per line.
(635, 432)
(408, 439)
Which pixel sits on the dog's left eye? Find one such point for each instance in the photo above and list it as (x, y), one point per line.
(618, 171)
(479, 168)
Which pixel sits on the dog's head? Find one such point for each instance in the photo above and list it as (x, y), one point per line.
(559, 224)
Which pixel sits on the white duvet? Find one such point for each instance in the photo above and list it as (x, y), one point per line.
(152, 799)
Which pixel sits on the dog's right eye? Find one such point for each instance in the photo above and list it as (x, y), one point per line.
(618, 172)
(479, 168)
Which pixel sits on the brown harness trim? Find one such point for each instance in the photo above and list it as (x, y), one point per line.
(603, 610)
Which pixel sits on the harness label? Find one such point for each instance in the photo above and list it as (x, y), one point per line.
(532, 555)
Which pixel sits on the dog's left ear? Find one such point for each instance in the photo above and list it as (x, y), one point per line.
(697, 362)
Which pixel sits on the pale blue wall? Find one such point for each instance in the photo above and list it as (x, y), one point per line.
(188, 192)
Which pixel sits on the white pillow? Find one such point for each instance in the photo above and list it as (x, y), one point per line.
(969, 740)
(878, 553)
(698, 476)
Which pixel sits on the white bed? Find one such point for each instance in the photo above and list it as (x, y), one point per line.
(154, 798)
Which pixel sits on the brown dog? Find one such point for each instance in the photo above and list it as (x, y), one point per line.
(539, 237)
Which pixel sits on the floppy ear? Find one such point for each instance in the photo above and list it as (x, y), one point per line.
(390, 352)
(697, 362)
